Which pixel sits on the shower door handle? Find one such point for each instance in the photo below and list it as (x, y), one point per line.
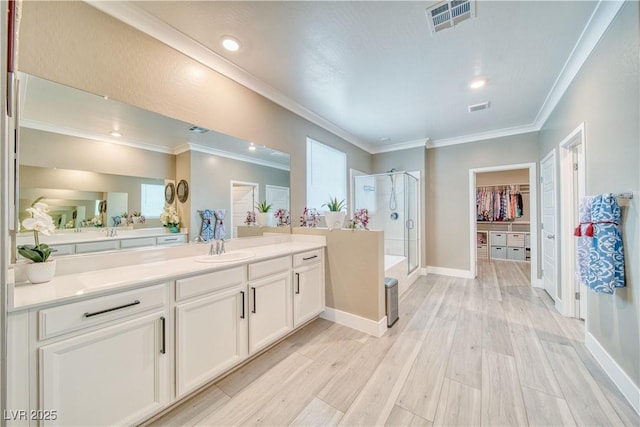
(410, 223)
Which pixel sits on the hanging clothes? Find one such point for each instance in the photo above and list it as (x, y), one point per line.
(605, 267)
(503, 203)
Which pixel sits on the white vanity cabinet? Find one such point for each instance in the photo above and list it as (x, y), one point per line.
(211, 330)
(111, 367)
(308, 286)
(270, 316)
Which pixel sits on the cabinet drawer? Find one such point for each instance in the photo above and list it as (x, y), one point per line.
(266, 268)
(517, 254)
(482, 251)
(498, 239)
(198, 285)
(307, 257)
(107, 245)
(515, 239)
(527, 240)
(498, 252)
(70, 317)
(169, 240)
(137, 243)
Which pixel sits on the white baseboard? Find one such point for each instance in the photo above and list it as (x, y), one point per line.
(559, 306)
(368, 326)
(465, 274)
(423, 271)
(538, 283)
(620, 378)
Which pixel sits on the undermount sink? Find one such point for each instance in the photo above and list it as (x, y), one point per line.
(225, 257)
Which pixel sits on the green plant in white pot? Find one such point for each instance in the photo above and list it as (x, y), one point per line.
(262, 216)
(41, 269)
(335, 216)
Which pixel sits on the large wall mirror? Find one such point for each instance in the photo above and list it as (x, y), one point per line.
(101, 164)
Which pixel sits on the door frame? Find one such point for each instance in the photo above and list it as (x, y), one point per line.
(533, 220)
(572, 189)
(231, 184)
(552, 155)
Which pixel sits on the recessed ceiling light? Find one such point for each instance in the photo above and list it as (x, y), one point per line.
(230, 43)
(477, 83)
(115, 134)
(252, 148)
(385, 139)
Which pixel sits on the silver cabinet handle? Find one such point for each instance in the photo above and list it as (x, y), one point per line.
(163, 349)
(551, 236)
(309, 257)
(297, 283)
(108, 310)
(171, 240)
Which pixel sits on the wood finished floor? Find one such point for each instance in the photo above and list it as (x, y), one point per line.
(491, 351)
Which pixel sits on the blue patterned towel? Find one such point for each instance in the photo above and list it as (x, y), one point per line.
(206, 230)
(218, 231)
(606, 255)
(584, 241)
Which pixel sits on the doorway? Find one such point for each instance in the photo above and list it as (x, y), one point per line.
(548, 226)
(533, 218)
(572, 190)
(244, 196)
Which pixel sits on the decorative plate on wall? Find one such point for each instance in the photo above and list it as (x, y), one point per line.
(169, 193)
(183, 191)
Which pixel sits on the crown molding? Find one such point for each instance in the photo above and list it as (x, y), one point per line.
(189, 146)
(47, 127)
(161, 31)
(601, 18)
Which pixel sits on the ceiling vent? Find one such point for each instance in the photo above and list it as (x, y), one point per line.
(478, 107)
(448, 14)
(198, 129)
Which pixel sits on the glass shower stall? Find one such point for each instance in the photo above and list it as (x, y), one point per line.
(392, 199)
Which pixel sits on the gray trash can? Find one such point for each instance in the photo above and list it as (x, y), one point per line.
(391, 294)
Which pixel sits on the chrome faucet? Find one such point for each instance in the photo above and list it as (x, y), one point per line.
(219, 248)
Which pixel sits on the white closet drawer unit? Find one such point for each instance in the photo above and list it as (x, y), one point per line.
(108, 245)
(266, 268)
(482, 251)
(137, 243)
(516, 254)
(205, 283)
(71, 317)
(498, 238)
(498, 252)
(169, 240)
(515, 239)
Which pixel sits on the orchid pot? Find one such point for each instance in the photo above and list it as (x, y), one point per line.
(41, 272)
(334, 220)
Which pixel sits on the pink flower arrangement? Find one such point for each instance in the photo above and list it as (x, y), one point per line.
(361, 218)
(282, 215)
(251, 218)
(310, 218)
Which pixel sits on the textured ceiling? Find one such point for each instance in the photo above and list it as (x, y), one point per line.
(375, 70)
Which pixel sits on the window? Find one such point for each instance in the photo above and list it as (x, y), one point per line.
(326, 174)
(151, 200)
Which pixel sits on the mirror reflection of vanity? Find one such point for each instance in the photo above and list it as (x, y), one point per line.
(97, 161)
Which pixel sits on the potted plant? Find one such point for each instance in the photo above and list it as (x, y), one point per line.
(262, 216)
(41, 269)
(137, 218)
(335, 216)
(170, 218)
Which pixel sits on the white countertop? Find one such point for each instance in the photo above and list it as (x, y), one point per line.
(95, 235)
(67, 287)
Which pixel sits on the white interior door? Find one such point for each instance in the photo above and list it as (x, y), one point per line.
(277, 197)
(244, 197)
(549, 246)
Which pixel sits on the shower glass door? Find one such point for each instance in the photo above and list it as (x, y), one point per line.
(411, 223)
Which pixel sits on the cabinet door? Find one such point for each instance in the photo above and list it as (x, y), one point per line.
(211, 337)
(270, 316)
(113, 376)
(308, 293)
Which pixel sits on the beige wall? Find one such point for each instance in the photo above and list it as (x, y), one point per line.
(74, 44)
(447, 202)
(605, 95)
(211, 178)
(53, 150)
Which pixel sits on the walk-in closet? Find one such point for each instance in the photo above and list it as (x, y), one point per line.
(503, 216)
